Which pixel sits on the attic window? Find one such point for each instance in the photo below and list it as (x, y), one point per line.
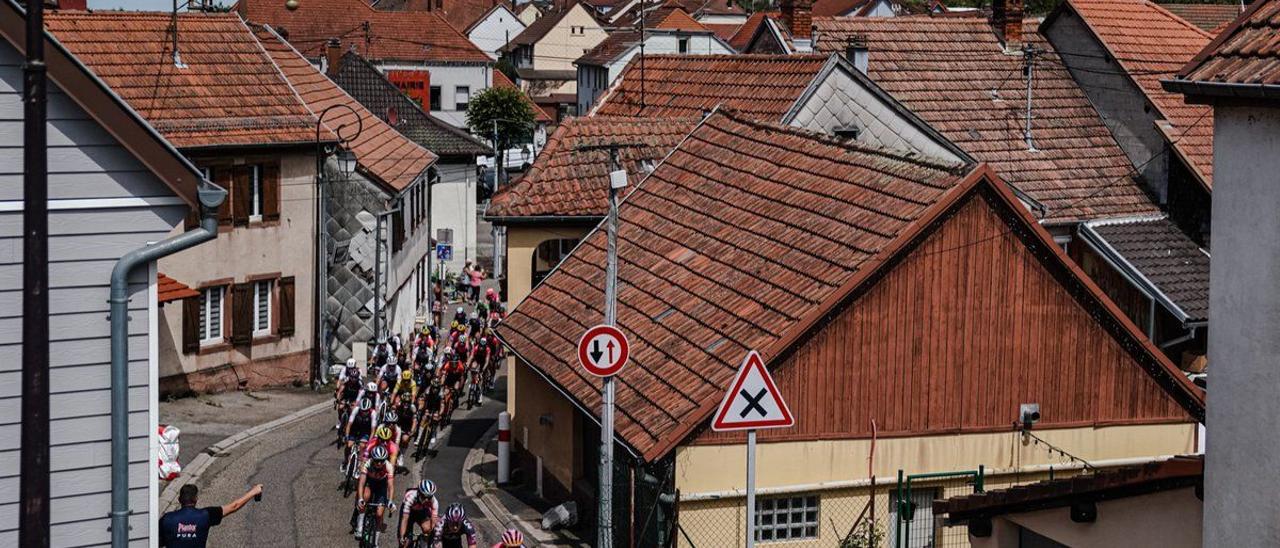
(846, 132)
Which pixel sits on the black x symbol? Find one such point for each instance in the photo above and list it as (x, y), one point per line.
(753, 403)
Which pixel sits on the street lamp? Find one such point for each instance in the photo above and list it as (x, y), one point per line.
(346, 165)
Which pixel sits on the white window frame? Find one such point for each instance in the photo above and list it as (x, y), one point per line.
(211, 331)
(458, 91)
(256, 204)
(259, 302)
(769, 528)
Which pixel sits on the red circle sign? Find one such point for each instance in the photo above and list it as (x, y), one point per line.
(603, 350)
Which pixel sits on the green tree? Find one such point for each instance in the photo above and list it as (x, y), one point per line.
(504, 110)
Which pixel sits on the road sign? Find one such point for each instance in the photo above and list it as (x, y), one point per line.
(752, 401)
(444, 252)
(603, 350)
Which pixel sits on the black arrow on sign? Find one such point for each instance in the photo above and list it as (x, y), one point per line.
(595, 351)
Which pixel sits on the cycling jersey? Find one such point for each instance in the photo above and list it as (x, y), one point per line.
(406, 415)
(433, 400)
(418, 506)
(391, 446)
(451, 534)
(361, 423)
(350, 381)
(406, 388)
(453, 372)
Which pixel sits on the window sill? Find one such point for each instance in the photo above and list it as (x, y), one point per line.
(265, 338)
(213, 348)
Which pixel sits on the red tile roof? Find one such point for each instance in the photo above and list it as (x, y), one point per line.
(564, 182)
(763, 87)
(945, 68)
(836, 8)
(170, 289)
(739, 234)
(724, 31)
(229, 94)
(389, 36)
(381, 152)
(460, 14)
(742, 38)
(670, 17)
(500, 80)
(1209, 17)
(1151, 44)
(1244, 57)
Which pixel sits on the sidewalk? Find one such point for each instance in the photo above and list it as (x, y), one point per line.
(207, 419)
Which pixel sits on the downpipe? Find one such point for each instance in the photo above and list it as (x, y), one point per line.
(210, 197)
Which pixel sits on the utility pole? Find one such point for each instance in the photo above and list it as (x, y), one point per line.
(33, 520)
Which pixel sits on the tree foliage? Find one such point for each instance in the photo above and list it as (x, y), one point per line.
(511, 111)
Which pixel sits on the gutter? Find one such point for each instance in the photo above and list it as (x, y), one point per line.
(210, 197)
(545, 219)
(1221, 89)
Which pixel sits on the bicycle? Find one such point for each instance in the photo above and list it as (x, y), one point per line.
(473, 387)
(370, 532)
(351, 470)
(417, 540)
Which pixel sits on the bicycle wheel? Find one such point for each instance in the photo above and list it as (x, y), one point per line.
(369, 536)
(349, 481)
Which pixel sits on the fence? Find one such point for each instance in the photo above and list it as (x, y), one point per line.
(914, 525)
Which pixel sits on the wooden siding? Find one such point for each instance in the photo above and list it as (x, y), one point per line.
(85, 162)
(953, 339)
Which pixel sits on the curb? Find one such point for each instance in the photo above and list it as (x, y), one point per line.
(206, 458)
(477, 488)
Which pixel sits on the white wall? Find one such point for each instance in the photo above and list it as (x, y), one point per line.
(453, 205)
(654, 44)
(448, 78)
(494, 31)
(1244, 307)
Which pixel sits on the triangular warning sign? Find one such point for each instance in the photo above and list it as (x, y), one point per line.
(752, 401)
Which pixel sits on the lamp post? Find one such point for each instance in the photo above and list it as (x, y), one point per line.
(346, 165)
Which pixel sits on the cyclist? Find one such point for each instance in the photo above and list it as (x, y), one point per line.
(388, 375)
(385, 437)
(451, 530)
(347, 389)
(420, 508)
(491, 297)
(459, 316)
(359, 426)
(405, 388)
(377, 481)
(474, 324)
(407, 412)
(511, 538)
(432, 403)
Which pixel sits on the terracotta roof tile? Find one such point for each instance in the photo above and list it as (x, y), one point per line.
(1164, 255)
(741, 212)
(229, 94)
(669, 17)
(500, 80)
(460, 14)
(724, 31)
(945, 68)
(1209, 17)
(170, 290)
(381, 152)
(1247, 53)
(742, 38)
(836, 8)
(763, 87)
(564, 182)
(377, 35)
(1151, 44)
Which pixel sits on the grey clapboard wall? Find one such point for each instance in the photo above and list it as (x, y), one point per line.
(95, 191)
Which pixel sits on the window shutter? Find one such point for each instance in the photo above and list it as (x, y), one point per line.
(241, 196)
(242, 314)
(271, 191)
(286, 306)
(192, 219)
(222, 176)
(191, 324)
(397, 230)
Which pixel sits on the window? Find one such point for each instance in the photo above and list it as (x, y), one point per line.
(256, 204)
(683, 46)
(461, 96)
(262, 307)
(434, 99)
(787, 518)
(211, 315)
(577, 30)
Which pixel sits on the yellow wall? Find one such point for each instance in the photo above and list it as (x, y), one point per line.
(555, 439)
(716, 468)
(1167, 519)
(560, 46)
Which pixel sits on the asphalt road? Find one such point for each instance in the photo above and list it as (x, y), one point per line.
(302, 504)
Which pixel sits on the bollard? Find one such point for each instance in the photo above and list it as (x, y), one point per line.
(504, 447)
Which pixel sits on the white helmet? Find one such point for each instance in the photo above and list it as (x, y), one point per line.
(460, 311)
(351, 362)
(371, 387)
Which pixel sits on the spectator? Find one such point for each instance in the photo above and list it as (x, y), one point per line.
(477, 279)
(464, 281)
(188, 527)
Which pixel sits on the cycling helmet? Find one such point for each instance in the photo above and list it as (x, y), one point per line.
(490, 292)
(448, 350)
(427, 488)
(475, 316)
(460, 311)
(390, 416)
(371, 387)
(365, 404)
(483, 341)
(379, 454)
(351, 363)
(383, 433)
(455, 513)
(435, 382)
(391, 360)
(406, 374)
(512, 538)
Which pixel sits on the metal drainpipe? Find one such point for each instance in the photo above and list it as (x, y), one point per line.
(210, 197)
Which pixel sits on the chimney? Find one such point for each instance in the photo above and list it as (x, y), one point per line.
(80, 5)
(332, 57)
(857, 53)
(797, 15)
(1006, 17)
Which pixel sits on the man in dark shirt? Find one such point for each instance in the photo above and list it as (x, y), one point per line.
(189, 526)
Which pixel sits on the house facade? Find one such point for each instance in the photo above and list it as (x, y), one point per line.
(114, 185)
(875, 355)
(544, 53)
(251, 324)
(495, 29)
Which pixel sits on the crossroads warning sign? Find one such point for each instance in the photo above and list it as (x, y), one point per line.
(753, 400)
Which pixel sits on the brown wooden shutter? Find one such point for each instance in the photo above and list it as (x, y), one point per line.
(223, 177)
(242, 313)
(397, 230)
(286, 306)
(241, 195)
(271, 191)
(191, 324)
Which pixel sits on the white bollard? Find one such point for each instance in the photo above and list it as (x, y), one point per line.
(504, 447)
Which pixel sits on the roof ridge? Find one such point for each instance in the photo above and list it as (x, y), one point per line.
(276, 68)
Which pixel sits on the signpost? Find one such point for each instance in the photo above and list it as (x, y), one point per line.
(752, 402)
(444, 252)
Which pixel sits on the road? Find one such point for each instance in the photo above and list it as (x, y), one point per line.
(302, 505)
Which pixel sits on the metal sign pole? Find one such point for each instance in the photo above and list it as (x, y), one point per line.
(751, 488)
(605, 519)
